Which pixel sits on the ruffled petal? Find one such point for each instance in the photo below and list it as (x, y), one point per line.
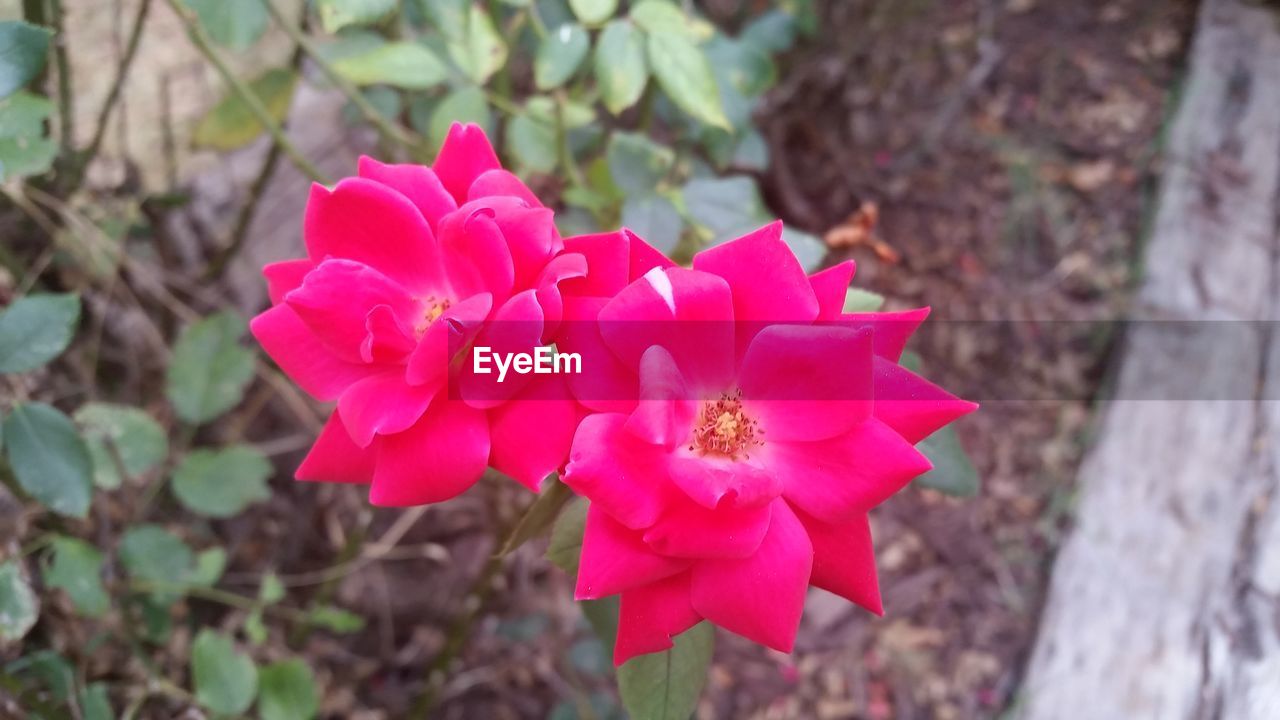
(622, 475)
(383, 404)
(387, 339)
(562, 267)
(529, 232)
(651, 615)
(689, 530)
(830, 287)
(716, 481)
(335, 458)
(302, 356)
(531, 434)
(368, 222)
(665, 412)
(476, 255)
(844, 561)
(614, 559)
(445, 338)
(335, 301)
(768, 281)
(438, 458)
(914, 407)
(515, 328)
(465, 155)
(807, 382)
(605, 384)
(607, 263)
(416, 182)
(285, 276)
(843, 477)
(760, 597)
(499, 183)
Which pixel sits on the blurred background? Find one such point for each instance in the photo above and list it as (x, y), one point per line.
(993, 159)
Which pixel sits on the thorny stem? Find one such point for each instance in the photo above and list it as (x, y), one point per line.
(387, 128)
(198, 36)
(113, 95)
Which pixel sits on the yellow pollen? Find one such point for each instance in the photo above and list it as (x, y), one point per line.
(722, 428)
(435, 308)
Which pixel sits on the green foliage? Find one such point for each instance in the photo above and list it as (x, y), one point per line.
(18, 606)
(464, 104)
(953, 472)
(226, 680)
(540, 516)
(152, 554)
(335, 619)
(222, 483)
(566, 536)
(210, 368)
(337, 14)
(857, 300)
(231, 124)
(594, 12)
(75, 567)
(666, 685)
(620, 67)
(22, 52)
(559, 56)
(48, 458)
(236, 24)
(120, 438)
(287, 691)
(24, 148)
(478, 50)
(685, 75)
(654, 218)
(636, 163)
(402, 64)
(36, 329)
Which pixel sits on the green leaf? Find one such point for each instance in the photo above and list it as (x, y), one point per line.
(210, 564)
(559, 55)
(663, 16)
(225, 679)
(620, 66)
(636, 163)
(120, 437)
(235, 23)
(22, 114)
(75, 568)
(287, 691)
(666, 685)
(953, 472)
(728, 207)
(48, 669)
(449, 16)
(209, 369)
(22, 53)
(24, 157)
(24, 148)
(857, 300)
(594, 12)
(479, 51)
(221, 483)
(49, 459)
(18, 605)
(335, 619)
(809, 249)
(655, 219)
(95, 703)
(545, 109)
(540, 515)
(774, 31)
(153, 554)
(407, 65)
(566, 536)
(36, 329)
(271, 590)
(602, 614)
(337, 14)
(686, 77)
(533, 142)
(464, 105)
(231, 124)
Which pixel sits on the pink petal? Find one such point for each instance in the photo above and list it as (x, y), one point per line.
(335, 458)
(383, 404)
(889, 330)
(368, 222)
(416, 182)
(714, 481)
(689, 530)
(285, 276)
(532, 433)
(760, 597)
(501, 182)
(650, 615)
(664, 415)
(605, 384)
(621, 474)
(830, 287)
(615, 558)
(644, 257)
(464, 156)
(438, 458)
(807, 382)
(562, 268)
(843, 477)
(607, 263)
(530, 234)
(386, 339)
(515, 328)
(444, 338)
(335, 301)
(768, 282)
(914, 407)
(476, 255)
(844, 561)
(302, 356)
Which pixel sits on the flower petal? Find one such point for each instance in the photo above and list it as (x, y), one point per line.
(532, 433)
(665, 411)
(844, 561)
(335, 301)
(768, 282)
(622, 475)
(914, 407)
(285, 276)
(710, 481)
(383, 404)
(830, 287)
(416, 182)
(335, 458)
(760, 597)
(689, 530)
(444, 338)
(615, 558)
(843, 477)
(438, 458)
(650, 615)
(302, 356)
(807, 382)
(464, 156)
(501, 182)
(889, 330)
(476, 255)
(607, 263)
(562, 268)
(515, 328)
(605, 384)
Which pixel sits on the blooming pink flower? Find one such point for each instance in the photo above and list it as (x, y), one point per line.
(407, 268)
(768, 422)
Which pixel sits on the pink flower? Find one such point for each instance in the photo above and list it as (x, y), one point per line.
(768, 423)
(407, 268)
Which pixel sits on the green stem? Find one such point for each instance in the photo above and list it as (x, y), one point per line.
(198, 36)
(388, 129)
(66, 107)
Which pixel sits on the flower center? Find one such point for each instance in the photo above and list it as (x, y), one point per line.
(434, 309)
(722, 428)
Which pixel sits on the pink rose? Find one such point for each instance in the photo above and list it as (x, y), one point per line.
(754, 425)
(408, 267)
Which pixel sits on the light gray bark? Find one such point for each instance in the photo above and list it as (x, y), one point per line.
(1165, 599)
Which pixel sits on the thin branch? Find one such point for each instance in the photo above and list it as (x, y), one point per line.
(113, 95)
(198, 36)
(387, 128)
(66, 111)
